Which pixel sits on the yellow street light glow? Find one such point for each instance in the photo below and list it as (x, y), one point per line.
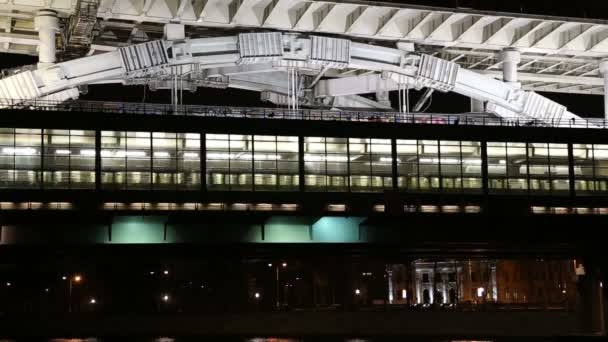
(77, 278)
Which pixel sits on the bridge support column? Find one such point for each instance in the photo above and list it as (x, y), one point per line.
(510, 59)
(604, 72)
(47, 25)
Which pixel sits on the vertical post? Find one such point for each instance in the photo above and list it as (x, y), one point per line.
(348, 174)
(571, 177)
(253, 162)
(394, 169)
(203, 161)
(484, 168)
(97, 160)
(278, 289)
(604, 72)
(301, 178)
(42, 159)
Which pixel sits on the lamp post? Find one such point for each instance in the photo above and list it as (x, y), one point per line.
(278, 285)
(75, 279)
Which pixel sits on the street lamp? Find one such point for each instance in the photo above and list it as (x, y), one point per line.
(357, 292)
(284, 264)
(75, 279)
(165, 298)
(93, 301)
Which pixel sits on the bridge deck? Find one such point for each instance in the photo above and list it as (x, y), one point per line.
(463, 119)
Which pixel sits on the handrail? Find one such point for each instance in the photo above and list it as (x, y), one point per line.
(465, 119)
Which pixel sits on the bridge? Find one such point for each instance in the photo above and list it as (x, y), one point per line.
(335, 206)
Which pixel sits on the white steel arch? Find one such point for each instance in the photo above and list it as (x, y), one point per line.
(332, 72)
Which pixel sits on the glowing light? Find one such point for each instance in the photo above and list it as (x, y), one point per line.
(284, 264)
(335, 159)
(92, 301)
(88, 153)
(77, 278)
(480, 291)
(24, 151)
(257, 295)
(166, 272)
(62, 152)
(8, 284)
(165, 298)
(357, 292)
(241, 156)
(269, 265)
(190, 155)
(389, 160)
(404, 294)
(161, 154)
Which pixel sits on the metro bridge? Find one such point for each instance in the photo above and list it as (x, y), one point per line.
(337, 169)
(373, 49)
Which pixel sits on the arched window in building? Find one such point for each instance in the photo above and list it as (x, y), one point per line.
(438, 297)
(452, 295)
(426, 297)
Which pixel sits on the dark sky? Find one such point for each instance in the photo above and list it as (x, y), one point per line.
(585, 105)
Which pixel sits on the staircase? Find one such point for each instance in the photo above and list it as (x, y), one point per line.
(80, 30)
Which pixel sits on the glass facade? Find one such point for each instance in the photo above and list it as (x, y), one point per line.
(149, 160)
(68, 160)
(534, 167)
(130, 160)
(252, 162)
(20, 162)
(432, 165)
(590, 167)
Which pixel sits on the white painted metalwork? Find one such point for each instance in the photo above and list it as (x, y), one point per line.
(279, 63)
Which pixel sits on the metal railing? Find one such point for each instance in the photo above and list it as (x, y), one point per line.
(465, 119)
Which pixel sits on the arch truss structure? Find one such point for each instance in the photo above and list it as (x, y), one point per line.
(557, 54)
(287, 69)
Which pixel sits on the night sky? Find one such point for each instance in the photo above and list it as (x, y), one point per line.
(584, 105)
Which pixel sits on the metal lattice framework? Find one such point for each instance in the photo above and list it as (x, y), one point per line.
(558, 54)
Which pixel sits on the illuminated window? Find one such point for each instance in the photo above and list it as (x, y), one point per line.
(245, 162)
(431, 165)
(65, 166)
(507, 166)
(370, 164)
(20, 162)
(591, 167)
(326, 164)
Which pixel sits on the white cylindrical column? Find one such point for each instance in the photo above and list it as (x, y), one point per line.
(604, 72)
(510, 59)
(47, 25)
